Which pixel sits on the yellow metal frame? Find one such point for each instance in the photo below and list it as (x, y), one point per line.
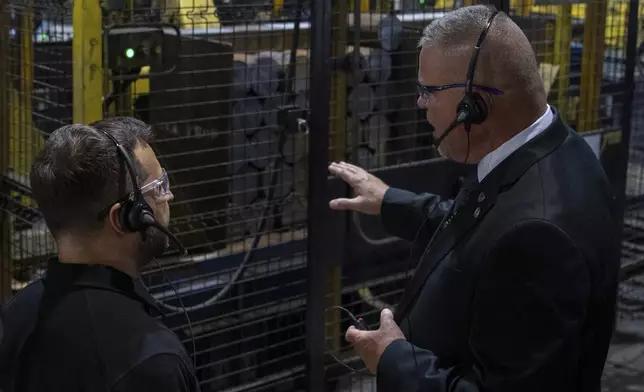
(592, 64)
(24, 140)
(563, 39)
(199, 14)
(87, 53)
(365, 5)
(338, 140)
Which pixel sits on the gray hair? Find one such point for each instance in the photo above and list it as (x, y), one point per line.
(507, 60)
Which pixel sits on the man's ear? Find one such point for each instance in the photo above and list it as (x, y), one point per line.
(115, 218)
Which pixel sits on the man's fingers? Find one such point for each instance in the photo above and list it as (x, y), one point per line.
(342, 172)
(350, 167)
(349, 173)
(345, 204)
(352, 334)
(386, 317)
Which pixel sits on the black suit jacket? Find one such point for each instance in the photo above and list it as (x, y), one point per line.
(516, 291)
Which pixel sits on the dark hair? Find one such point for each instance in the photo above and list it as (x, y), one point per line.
(79, 172)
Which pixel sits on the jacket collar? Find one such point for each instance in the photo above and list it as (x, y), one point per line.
(457, 225)
(496, 157)
(62, 278)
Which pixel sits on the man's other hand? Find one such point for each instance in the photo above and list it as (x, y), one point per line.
(370, 345)
(369, 190)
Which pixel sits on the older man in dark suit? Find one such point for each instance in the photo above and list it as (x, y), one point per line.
(515, 290)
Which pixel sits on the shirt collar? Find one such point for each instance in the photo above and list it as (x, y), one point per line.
(64, 277)
(493, 159)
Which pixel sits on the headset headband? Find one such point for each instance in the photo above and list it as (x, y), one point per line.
(128, 163)
(475, 56)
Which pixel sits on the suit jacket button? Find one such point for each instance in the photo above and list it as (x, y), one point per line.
(481, 197)
(477, 212)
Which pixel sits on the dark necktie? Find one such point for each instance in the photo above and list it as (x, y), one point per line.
(470, 184)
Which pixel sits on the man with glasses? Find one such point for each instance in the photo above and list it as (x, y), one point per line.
(516, 285)
(89, 324)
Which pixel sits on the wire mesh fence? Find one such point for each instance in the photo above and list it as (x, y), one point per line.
(223, 83)
(36, 79)
(238, 173)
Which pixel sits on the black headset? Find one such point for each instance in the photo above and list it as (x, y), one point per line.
(136, 214)
(472, 109)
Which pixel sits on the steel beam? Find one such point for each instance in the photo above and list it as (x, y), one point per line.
(5, 225)
(592, 65)
(87, 52)
(318, 232)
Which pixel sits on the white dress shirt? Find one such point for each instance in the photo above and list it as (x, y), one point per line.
(492, 160)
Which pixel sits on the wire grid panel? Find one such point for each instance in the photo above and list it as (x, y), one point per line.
(375, 123)
(376, 50)
(374, 118)
(213, 91)
(633, 251)
(37, 88)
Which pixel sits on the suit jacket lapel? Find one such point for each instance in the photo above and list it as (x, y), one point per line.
(447, 237)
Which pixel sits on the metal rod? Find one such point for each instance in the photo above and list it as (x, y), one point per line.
(87, 52)
(321, 38)
(5, 225)
(627, 112)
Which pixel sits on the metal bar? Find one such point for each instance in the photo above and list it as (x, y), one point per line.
(563, 38)
(592, 64)
(64, 33)
(521, 7)
(87, 52)
(321, 38)
(619, 178)
(278, 7)
(5, 226)
(24, 143)
(338, 140)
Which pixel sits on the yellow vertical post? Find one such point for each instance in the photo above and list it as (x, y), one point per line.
(338, 136)
(278, 6)
(384, 6)
(25, 140)
(563, 38)
(5, 226)
(87, 52)
(521, 7)
(592, 64)
(365, 6)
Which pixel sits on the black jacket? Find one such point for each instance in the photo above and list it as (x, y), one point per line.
(96, 333)
(516, 291)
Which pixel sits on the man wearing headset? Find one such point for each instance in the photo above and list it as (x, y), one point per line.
(89, 324)
(516, 287)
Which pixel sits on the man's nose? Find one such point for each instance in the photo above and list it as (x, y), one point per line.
(421, 102)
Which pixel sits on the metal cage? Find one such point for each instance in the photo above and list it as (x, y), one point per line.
(249, 101)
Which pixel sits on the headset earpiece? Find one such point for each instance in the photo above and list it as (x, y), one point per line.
(132, 212)
(474, 107)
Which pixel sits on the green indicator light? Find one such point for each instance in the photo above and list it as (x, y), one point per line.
(129, 53)
(44, 36)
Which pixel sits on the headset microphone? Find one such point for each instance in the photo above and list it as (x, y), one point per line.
(460, 119)
(148, 220)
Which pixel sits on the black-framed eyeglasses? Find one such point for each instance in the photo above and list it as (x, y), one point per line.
(427, 92)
